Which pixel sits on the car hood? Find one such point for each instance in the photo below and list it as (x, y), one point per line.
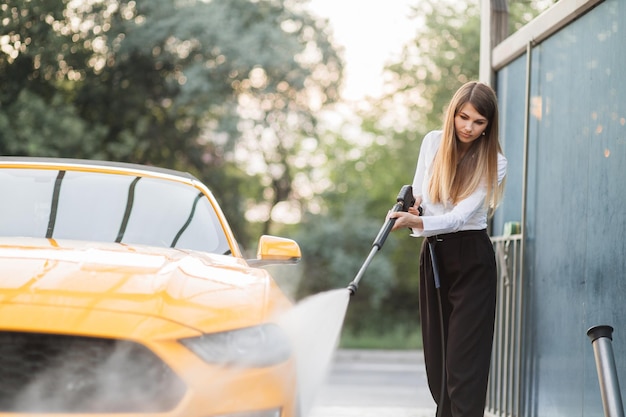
(199, 291)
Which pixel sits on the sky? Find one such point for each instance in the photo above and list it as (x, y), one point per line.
(372, 33)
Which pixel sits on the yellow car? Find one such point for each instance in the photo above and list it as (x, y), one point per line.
(123, 292)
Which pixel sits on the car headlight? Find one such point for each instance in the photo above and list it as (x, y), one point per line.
(257, 346)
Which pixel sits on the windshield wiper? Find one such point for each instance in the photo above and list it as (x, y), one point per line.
(54, 204)
(188, 222)
(129, 208)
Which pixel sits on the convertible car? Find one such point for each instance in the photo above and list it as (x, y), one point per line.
(123, 292)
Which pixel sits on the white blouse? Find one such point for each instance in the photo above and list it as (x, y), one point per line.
(468, 214)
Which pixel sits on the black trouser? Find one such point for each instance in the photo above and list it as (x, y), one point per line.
(467, 271)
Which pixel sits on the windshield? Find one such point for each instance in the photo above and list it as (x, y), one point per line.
(108, 207)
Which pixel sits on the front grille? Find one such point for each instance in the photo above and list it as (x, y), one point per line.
(50, 373)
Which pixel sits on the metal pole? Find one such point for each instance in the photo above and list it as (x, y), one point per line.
(601, 338)
(355, 283)
(522, 349)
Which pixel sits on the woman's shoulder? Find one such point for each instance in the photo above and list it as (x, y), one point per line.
(434, 135)
(433, 138)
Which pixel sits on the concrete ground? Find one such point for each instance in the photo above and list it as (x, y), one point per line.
(372, 383)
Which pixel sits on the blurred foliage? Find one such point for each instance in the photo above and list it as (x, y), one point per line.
(444, 55)
(399, 336)
(226, 90)
(523, 11)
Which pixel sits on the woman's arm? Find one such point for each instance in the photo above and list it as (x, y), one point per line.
(456, 218)
(451, 221)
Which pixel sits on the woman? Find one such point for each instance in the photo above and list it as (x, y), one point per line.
(458, 183)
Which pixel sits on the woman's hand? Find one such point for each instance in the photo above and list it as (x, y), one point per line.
(410, 219)
(416, 210)
(416, 206)
(404, 220)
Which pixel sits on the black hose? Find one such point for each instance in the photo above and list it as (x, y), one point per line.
(443, 356)
(435, 268)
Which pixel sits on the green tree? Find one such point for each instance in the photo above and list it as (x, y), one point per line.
(443, 56)
(37, 59)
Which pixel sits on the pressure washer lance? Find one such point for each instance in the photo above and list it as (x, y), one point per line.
(405, 200)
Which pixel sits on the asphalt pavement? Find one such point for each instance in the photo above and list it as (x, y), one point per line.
(375, 383)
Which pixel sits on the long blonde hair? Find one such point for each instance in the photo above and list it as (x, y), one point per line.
(453, 179)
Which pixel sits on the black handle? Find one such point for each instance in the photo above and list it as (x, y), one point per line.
(405, 200)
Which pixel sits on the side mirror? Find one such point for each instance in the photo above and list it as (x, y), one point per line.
(276, 250)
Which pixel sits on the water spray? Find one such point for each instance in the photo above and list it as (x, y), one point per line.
(404, 201)
(314, 324)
